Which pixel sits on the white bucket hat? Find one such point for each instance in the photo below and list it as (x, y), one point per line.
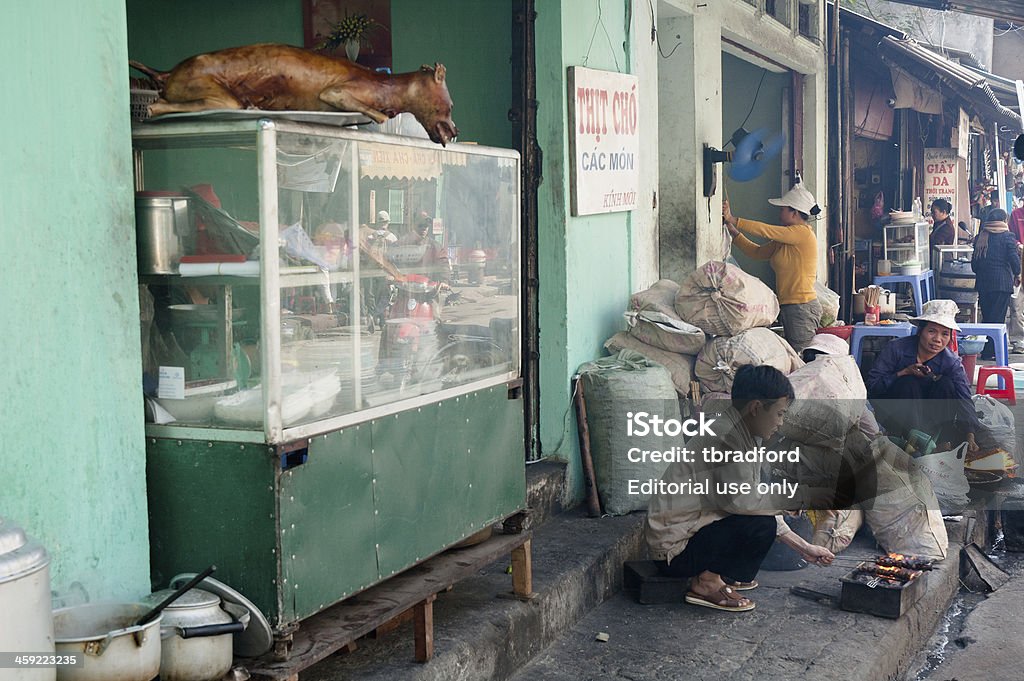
(383, 216)
(942, 312)
(798, 198)
(828, 343)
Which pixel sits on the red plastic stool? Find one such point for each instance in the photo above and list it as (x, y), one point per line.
(1006, 393)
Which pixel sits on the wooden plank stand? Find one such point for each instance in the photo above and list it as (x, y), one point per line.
(372, 612)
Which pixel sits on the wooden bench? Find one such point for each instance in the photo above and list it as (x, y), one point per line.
(376, 610)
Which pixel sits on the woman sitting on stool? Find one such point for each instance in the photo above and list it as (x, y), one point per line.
(918, 383)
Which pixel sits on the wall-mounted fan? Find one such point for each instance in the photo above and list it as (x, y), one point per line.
(752, 152)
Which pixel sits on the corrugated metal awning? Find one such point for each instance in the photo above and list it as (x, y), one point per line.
(969, 84)
(1007, 10)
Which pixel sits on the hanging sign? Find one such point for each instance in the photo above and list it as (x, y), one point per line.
(391, 161)
(604, 141)
(963, 134)
(940, 175)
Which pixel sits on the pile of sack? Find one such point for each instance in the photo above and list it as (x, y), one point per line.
(715, 321)
(706, 327)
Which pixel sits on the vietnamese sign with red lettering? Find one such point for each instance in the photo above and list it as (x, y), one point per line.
(604, 141)
(940, 175)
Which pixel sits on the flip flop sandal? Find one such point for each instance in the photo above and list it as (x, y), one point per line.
(726, 594)
(743, 586)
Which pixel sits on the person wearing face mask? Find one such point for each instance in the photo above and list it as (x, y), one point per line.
(717, 540)
(792, 250)
(918, 383)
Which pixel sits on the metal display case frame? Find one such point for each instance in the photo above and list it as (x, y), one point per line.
(263, 133)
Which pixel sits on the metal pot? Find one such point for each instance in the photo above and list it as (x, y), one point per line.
(197, 633)
(27, 622)
(164, 231)
(105, 637)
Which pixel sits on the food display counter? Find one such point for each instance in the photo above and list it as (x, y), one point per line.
(330, 328)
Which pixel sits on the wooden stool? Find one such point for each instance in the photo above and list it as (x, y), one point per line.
(643, 579)
(1005, 376)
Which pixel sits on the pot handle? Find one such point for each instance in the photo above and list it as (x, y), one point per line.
(211, 630)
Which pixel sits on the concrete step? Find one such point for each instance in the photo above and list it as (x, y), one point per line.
(577, 564)
(545, 490)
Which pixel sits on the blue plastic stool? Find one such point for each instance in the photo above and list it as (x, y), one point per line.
(862, 331)
(923, 285)
(997, 332)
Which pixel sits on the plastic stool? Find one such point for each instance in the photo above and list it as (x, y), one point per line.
(997, 332)
(1007, 392)
(923, 285)
(862, 331)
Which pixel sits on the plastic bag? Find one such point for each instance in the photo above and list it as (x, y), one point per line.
(946, 472)
(829, 301)
(997, 420)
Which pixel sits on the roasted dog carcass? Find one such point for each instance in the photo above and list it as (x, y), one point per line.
(281, 77)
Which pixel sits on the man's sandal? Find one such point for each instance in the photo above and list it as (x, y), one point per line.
(743, 586)
(715, 601)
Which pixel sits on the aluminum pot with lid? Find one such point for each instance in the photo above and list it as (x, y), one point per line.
(197, 635)
(27, 622)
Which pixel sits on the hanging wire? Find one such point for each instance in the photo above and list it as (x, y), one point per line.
(764, 72)
(655, 37)
(611, 48)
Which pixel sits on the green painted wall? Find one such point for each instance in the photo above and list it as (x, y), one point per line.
(584, 261)
(73, 456)
(473, 39)
(750, 199)
(161, 34)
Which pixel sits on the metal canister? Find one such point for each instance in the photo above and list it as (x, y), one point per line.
(164, 231)
(27, 622)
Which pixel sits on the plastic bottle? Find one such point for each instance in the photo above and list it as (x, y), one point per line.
(918, 209)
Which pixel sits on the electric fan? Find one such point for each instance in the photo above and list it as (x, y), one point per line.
(752, 152)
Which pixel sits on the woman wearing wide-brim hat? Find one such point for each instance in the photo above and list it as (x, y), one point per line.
(792, 250)
(918, 383)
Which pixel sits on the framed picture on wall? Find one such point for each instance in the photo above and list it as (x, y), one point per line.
(372, 49)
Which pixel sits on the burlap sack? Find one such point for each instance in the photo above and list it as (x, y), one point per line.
(834, 530)
(904, 515)
(680, 366)
(723, 300)
(830, 399)
(717, 363)
(652, 319)
(613, 387)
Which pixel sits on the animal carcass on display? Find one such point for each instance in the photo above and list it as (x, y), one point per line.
(284, 78)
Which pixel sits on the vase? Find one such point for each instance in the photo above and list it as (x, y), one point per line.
(352, 49)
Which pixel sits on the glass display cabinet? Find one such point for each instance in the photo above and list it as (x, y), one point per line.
(331, 346)
(322, 276)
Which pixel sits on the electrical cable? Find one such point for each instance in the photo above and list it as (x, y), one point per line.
(764, 72)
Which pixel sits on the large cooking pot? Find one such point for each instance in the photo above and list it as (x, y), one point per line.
(27, 621)
(197, 635)
(886, 304)
(963, 282)
(111, 646)
(164, 231)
